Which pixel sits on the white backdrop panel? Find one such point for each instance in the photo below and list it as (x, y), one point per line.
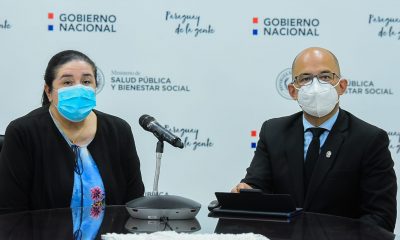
(225, 77)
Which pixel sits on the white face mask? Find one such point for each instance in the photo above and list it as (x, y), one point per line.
(318, 99)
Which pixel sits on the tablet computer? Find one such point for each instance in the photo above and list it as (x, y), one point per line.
(256, 203)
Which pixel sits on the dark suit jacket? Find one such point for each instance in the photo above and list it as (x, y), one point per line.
(353, 177)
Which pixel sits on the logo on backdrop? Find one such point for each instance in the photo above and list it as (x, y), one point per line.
(366, 87)
(387, 27)
(100, 81)
(139, 82)
(253, 135)
(5, 24)
(284, 26)
(188, 24)
(191, 137)
(282, 81)
(77, 22)
(394, 138)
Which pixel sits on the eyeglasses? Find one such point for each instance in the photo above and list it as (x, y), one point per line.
(323, 78)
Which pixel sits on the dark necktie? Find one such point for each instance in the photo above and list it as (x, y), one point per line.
(312, 154)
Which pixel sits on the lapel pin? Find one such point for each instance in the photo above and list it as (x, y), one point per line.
(328, 154)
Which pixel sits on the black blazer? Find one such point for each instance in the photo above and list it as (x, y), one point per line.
(354, 175)
(37, 164)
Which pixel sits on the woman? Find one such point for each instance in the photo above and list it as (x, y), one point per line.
(65, 154)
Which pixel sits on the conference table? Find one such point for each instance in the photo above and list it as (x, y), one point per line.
(62, 224)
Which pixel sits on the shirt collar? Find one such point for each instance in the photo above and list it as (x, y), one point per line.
(328, 124)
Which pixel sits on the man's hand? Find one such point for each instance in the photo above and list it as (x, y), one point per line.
(240, 186)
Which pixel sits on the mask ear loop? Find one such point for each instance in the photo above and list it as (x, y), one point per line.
(298, 89)
(337, 83)
(334, 86)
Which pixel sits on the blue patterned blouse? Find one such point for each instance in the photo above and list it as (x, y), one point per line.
(88, 195)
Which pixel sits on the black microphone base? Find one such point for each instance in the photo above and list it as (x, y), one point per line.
(163, 206)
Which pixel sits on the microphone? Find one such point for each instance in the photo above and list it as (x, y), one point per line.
(150, 124)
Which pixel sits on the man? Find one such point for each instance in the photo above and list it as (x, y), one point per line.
(351, 173)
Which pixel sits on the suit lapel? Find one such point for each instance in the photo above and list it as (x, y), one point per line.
(294, 150)
(327, 157)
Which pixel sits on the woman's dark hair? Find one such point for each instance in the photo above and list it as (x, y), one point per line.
(56, 62)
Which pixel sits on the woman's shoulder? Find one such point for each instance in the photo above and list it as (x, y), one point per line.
(40, 114)
(35, 123)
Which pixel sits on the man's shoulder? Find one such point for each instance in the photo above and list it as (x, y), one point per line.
(283, 121)
(357, 124)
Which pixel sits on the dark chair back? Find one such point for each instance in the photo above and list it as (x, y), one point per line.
(1, 141)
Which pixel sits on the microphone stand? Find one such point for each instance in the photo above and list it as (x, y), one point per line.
(162, 207)
(159, 152)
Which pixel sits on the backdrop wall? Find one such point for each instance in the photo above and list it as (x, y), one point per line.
(212, 71)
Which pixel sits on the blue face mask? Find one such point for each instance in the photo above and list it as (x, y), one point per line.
(76, 102)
